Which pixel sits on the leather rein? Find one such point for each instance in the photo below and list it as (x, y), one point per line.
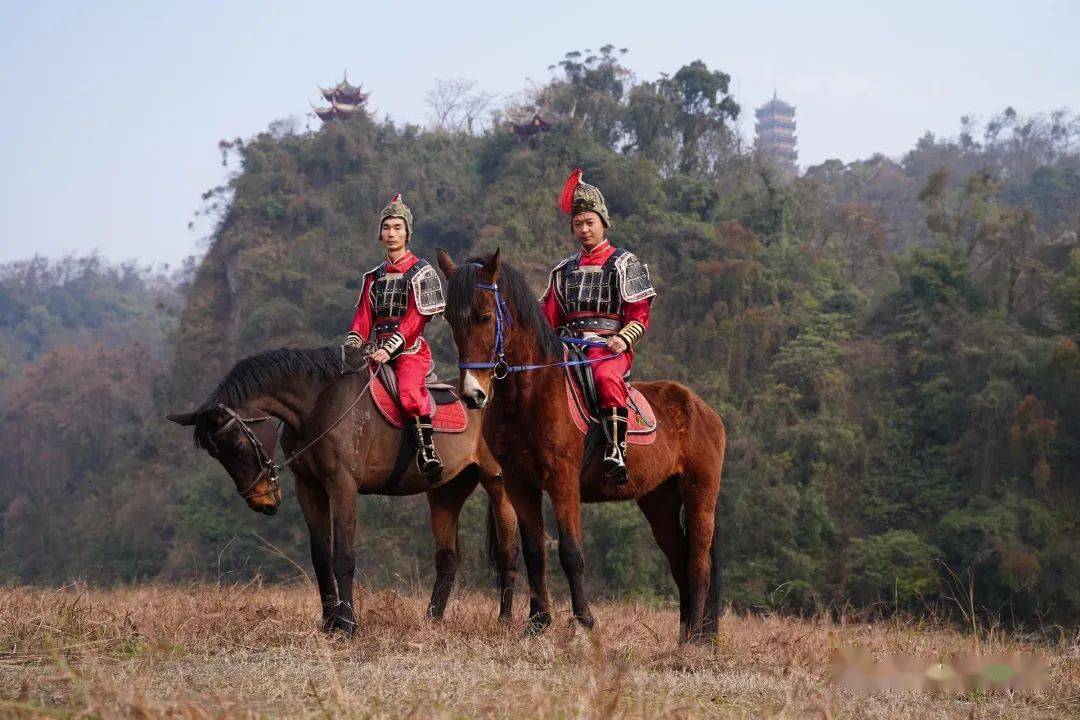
(498, 365)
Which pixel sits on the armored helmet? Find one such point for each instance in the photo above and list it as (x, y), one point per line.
(396, 209)
(578, 197)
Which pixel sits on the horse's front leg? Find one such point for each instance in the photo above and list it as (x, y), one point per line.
(502, 542)
(528, 504)
(445, 505)
(342, 494)
(566, 502)
(315, 504)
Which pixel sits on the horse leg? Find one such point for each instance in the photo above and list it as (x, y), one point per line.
(528, 504)
(502, 542)
(661, 508)
(445, 505)
(700, 500)
(316, 507)
(566, 501)
(343, 509)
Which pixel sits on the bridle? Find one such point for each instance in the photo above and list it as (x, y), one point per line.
(498, 365)
(265, 460)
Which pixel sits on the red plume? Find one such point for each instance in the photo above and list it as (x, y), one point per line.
(397, 198)
(566, 199)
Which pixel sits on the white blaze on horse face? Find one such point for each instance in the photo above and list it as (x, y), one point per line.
(474, 390)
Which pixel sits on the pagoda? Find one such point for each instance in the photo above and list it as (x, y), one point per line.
(345, 101)
(531, 130)
(776, 134)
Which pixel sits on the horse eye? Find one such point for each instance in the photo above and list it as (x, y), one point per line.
(485, 319)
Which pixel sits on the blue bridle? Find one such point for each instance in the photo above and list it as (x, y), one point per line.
(499, 367)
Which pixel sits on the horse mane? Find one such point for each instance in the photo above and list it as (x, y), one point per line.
(254, 374)
(461, 300)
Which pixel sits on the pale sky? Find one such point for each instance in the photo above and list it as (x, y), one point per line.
(112, 111)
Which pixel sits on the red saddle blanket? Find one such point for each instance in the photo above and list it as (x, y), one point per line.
(642, 427)
(449, 418)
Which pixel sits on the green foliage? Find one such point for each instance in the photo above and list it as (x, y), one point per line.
(896, 568)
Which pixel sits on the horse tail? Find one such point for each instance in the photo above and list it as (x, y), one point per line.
(714, 602)
(491, 540)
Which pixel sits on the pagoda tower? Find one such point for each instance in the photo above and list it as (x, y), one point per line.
(345, 101)
(776, 134)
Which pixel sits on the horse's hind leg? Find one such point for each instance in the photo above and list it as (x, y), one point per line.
(527, 502)
(445, 504)
(661, 508)
(700, 497)
(316, 507)
(502, 542)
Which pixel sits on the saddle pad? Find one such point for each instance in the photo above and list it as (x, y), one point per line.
(642, 428)
(449, 418)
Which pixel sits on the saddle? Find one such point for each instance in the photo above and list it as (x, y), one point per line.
(584, 406)
(447, 411)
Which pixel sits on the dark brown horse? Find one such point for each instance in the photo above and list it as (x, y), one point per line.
(305, 390)
(531, 434)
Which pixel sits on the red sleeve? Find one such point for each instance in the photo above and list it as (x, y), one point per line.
(412, 322)
(637, 311)
(362, 319)
(549, 305)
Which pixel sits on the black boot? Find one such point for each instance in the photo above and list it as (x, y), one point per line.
(426, 458)
(615, 421)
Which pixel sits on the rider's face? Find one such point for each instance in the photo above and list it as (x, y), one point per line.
(588, 229)
(393, 235)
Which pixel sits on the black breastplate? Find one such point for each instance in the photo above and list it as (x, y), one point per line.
(389, 294)
(590, 290)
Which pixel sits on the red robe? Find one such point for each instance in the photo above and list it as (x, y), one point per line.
(608, 374)
(411, 366)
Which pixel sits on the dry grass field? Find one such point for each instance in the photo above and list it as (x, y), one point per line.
(253, 651)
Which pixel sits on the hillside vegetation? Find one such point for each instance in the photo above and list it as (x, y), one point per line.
(893, 345)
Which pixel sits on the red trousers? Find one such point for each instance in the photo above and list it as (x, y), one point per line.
(608, 376)
(411, 369)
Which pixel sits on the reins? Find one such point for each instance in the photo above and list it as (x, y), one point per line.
(266, 461)
(500, 367)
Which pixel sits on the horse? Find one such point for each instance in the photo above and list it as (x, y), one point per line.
(530, 431)
(343, 448)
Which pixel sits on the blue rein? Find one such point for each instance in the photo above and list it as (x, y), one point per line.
(499, 367)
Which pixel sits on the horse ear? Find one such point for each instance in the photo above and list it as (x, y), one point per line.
(491, 267)
(182, 418)
(446, 263)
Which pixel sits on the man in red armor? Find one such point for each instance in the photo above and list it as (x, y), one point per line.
(399, 297)
(601, 293)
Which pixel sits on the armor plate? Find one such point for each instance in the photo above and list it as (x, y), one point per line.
(389, 294)
(634, 281)
(427, 290)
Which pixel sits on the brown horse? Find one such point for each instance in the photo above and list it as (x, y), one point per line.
(306, 391)
(531, 434)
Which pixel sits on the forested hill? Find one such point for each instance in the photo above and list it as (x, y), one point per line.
(892, 345)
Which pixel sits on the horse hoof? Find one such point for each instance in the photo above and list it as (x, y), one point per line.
(338, 624)
(538, 623)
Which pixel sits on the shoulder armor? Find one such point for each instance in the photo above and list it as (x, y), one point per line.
(634, 281)
(427, 289)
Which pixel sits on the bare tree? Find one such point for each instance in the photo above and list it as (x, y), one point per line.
(454, 107)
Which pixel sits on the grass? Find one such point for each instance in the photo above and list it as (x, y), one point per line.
(255, 651)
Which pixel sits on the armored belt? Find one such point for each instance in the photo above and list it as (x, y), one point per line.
(593, 324)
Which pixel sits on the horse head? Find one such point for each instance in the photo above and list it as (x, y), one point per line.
(244, 442)
(471, 313)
